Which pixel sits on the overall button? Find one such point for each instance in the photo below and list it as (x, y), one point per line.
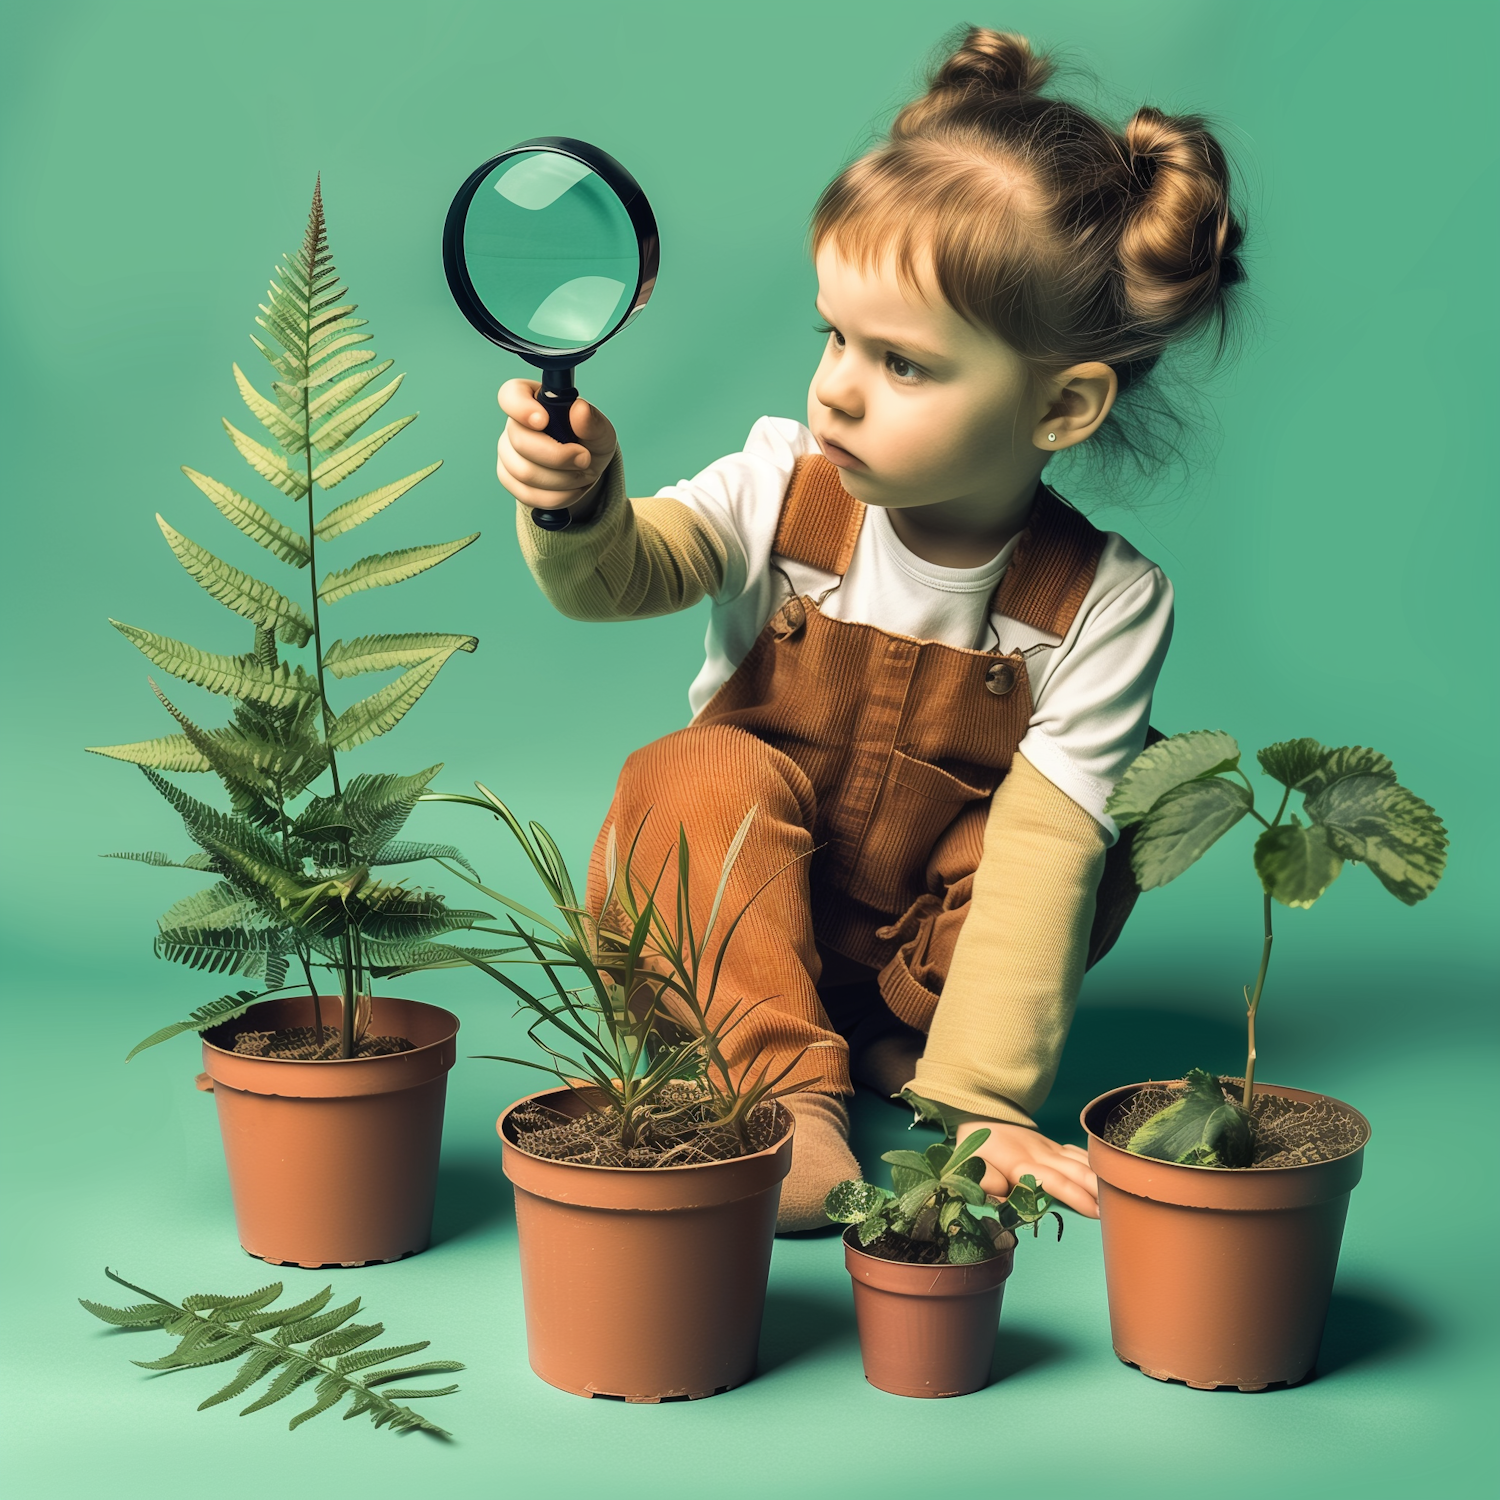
(1000, 678)
(789, 619)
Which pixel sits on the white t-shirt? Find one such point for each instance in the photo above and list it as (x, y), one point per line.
(1091, 689)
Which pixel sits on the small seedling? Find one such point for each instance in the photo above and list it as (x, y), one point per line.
(935, 1200)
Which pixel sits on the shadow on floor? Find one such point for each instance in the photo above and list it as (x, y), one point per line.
(1366, 1326)
(1020, 1349)
(798, 1323)
(471, 1195)
(1115, 1045)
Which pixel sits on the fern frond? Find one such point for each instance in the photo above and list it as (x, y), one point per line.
(268, 464)
(346, 421)
(346, 390)
(216, 907)
(342, 464)
(270, 416)
(225, 1008)
(382, 711)
(156, 857)
(211, 1331)
(247, 596)
(357, 511)
(232, 676)
(235, 950)
(383, 653)
(347, 359)
(172, 752)
(259, 525)
(406, 852)
(385, 568)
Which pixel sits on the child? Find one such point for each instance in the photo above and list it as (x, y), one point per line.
(923, 666)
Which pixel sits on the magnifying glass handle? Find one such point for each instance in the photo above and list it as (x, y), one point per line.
(557, 394)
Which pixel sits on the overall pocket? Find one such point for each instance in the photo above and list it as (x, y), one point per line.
(917, 803)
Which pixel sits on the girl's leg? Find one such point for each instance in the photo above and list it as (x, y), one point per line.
(705, 780)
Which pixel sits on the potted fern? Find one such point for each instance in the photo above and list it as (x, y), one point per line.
(929, 1258)
(1223, 1199)
(298, 858)
(647, 1176)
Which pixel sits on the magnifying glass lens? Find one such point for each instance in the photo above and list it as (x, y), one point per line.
(551, 251)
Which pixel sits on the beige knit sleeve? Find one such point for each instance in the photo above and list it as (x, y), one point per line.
(631, 560)
(1007, 1003)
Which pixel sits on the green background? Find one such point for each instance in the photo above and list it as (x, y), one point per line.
(1334, 567)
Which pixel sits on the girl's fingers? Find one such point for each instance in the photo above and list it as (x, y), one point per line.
(541, 476)
(546, 452)
(518, 401)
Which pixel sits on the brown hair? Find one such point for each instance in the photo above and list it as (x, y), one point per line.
(1070, 240)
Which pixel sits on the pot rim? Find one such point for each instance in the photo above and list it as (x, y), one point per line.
(942, 1265)
(1262, 1172)
(323, 1062)
(586, 1166)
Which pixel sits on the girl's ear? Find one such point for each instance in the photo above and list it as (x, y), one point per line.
(1077, 402)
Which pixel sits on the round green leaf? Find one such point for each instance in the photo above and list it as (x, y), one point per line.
(1185, 822)
(853, 1202)
(1295, 864)
(1168, 764)
(1378, 822)
(1292, 761)
(1347, 760)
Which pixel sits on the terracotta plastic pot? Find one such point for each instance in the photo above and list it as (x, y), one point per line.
(1219, 1277)
(927, 1330)
(643, 1283)
(333, 1163)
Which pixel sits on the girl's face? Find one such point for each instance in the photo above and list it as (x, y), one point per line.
(917, 407)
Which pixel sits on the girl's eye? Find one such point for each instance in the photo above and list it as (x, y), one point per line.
(826, 330)
(902, 369)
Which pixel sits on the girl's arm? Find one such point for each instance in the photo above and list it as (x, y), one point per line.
(1007, 1002)
(621, 559)
(630, 560)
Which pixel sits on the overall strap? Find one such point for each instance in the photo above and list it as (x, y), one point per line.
(820, 519)
(1052, 568)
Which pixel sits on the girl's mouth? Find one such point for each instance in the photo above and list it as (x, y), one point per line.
(839, 456)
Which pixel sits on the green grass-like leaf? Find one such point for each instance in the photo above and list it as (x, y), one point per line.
(213, 1330)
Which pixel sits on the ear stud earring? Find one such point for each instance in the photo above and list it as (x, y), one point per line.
(1051, 437)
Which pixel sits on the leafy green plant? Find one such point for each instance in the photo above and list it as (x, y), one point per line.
(1184, 793)
(212, 1330)
(646, 1015)
(935, 1206)
(298, 884)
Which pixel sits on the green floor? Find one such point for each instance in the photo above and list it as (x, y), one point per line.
(122, 1166)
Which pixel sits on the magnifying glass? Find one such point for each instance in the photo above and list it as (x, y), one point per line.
(550, 249)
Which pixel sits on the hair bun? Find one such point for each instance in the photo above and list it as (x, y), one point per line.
(997, 62)
(1178, 248)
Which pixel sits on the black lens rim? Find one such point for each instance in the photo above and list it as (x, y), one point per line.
(642, 220)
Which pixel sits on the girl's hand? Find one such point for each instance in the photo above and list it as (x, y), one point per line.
(538, 470)
(1014, 1150)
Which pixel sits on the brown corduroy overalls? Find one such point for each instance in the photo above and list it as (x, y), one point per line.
(875, 753)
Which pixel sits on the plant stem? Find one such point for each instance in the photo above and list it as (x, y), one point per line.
(346, 1035)
(1254, 1005)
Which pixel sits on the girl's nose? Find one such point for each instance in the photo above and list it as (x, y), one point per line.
(835, 387)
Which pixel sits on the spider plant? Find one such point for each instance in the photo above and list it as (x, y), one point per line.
(647, 1014)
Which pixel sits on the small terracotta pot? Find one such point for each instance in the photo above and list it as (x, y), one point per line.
(333, 1163)
(1219, 1276)
(927, 1330)
(643, 1283)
